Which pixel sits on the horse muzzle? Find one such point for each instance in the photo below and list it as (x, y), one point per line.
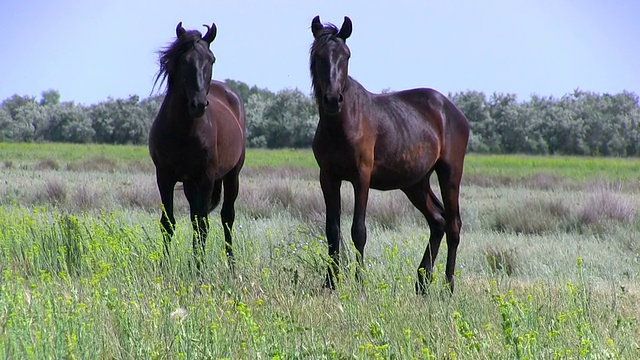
(332, 103)
(197, 108)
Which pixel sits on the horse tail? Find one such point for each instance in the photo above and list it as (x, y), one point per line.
(215, 195)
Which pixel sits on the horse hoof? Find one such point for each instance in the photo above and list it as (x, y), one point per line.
(329, 283)
(421, 288)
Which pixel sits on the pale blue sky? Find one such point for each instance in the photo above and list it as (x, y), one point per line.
(90, 50)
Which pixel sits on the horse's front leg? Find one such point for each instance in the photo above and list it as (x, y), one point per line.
(358, 227)
(227, 213)
(331, 193)
(165, 186)
(199, 195)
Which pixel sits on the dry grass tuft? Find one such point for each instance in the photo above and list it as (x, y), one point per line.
(604, 206)
(535, 217)
(545, 181)
(500, 261)
(290, 173)
(140, 197)
(47, 164)
(309, 206)
(85, 198)
(141, 167)
(487, 181)
(99, 163)
(392, 210)
(254, 203)
(54, 191)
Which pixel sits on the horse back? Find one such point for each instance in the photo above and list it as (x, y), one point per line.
(436, 114)
(401, 134)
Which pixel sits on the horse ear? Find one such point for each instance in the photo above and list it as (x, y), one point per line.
(180, 30)
(345, 30)
(316, 26)
(211, 33)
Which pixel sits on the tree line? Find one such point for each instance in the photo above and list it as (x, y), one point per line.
(578, 123)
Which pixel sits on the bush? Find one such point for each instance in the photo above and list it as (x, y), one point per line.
(535, 217)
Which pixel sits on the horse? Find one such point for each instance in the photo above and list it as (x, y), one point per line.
(384, 141)
(197, 138)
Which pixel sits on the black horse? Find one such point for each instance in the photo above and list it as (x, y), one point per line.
(384, 141)
(197, 138)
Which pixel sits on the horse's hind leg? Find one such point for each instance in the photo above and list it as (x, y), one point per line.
(423, 198)
(227, 213)
(449, 178)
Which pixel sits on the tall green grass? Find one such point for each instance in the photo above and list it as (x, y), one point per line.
(98, 287)
(544, 272)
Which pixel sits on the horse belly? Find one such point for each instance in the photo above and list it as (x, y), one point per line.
(402, 168)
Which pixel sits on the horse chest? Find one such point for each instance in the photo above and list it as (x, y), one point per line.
(188, 158)
(337, 158)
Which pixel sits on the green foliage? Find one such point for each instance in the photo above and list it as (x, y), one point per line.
(50, 97)
(579, 123)
(121, 121)
(69, 123)
(287, 120)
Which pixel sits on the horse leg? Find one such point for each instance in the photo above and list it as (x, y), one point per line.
(198, 196)
(228, 214)
(168, 222)
(423, 198)
(215, 195)
(331, 193)
(358, 227)
(449, 178)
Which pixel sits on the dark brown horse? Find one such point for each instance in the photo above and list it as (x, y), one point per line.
(197, 138)
(384, 141)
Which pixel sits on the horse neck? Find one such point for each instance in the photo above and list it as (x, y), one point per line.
(351, 113)
(175, 109)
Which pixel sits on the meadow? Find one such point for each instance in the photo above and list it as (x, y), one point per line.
(548, 265)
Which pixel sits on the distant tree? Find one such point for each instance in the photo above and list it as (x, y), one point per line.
(50, 97)
(292, 118)
(579, 123)
(151, 106)
(286, 120)
(29, 122)
(241, 88)
(13, 103)
(5, 125)
(69, 123)
(121, 121)
(475, 106)
(257, 125)
(245, 91)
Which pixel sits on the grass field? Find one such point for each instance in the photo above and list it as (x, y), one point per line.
(499, 166)
(548, 267)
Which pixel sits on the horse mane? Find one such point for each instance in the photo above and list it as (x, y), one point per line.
(327, 34)
(171, 53)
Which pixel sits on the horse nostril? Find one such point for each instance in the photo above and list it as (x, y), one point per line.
(340, 99)
(207, 104)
